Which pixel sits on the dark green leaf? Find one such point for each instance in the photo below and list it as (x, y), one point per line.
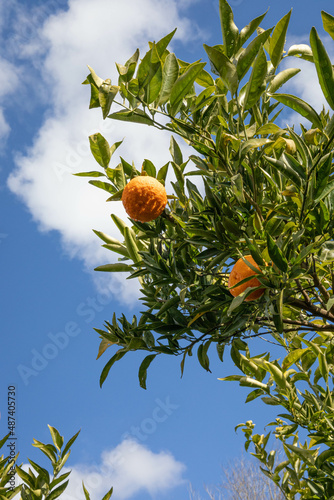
(224, 68)
(324, 67)
(142, 374)
(118, 267)
(276, 255)
(116, 357)
(136, 116)
(183, 84)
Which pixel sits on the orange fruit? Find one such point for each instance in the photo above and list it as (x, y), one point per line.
(239, 272)
(144, 198)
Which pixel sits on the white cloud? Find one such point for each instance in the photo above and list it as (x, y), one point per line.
(9, 83)
(130, 468)
(98, 34)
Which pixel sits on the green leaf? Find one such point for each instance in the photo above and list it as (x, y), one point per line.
(103, 185)
(118, 267)
(302, 51)
(268, 129)
(328, 23)
(25, 477)
(69, 443)
(248, 30)
(323, 66)
(47, 449)
(92, 173)
(170, 73)
(277, 40)
(142, 374)
(57, 439)
(276, 255)
(149, 168)
(131, 245)
(202, 355)
(100, 148)
(97, 80)
(107, 94)
(116, 357)
(224, 67)
(302, 107)
(107, 239)
(87, 496)
(292, 357)
(173, 301)
(150, 75)
(183, 85)
(230, 31)
(282, 78)
(162, 45)
(3, 440)
(255, 86)
(175, 151)
(108, 495)
(325, 192)
(58, 491)
(136, 116)
(248, 56)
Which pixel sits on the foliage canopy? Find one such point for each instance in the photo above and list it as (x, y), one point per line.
(252, 187)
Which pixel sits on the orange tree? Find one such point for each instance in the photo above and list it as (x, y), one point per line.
(250, 187)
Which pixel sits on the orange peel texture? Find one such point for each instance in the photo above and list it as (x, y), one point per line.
(239, 272)
(144, 198)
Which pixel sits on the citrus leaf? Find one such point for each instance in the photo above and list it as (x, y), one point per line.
(328, 23)
(255, 87)
(248, 56)
(277, 40)
(282, 78)
(230, 31)
(142, 374)
(116, 357)
(323, 66)
(224, 68)
(170, 73)
(276, 255)
(136, 116)
(183, 84)
(118, 267)
(100, 149)
(302, 107)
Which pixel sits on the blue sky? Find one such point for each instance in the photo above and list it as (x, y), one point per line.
(179, 431)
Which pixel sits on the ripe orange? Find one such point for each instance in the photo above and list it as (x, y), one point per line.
(239, 272)
(144, 198)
